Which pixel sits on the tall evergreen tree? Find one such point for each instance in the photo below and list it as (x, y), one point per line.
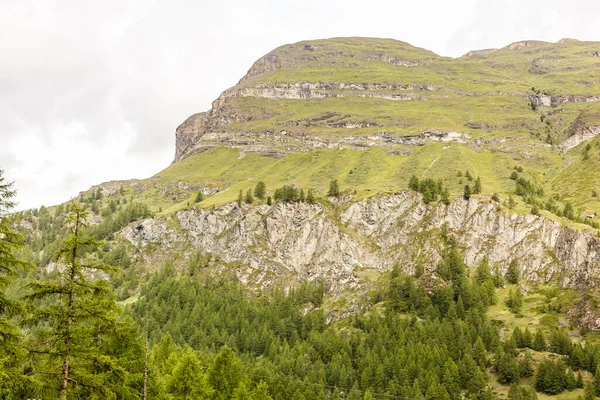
(225, 374)
(260, 190)
(77, 318)
(512, 275)
(11, 352)
(334, 188)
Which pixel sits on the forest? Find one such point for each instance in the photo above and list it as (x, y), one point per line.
(65, 331)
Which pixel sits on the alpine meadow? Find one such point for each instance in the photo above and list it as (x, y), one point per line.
(357, 218)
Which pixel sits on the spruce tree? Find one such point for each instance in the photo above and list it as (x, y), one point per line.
(539, 341)
(11, 353)
(477, 186)
(260, 190)
(225, 374)
(310, 197)
(512, 275)
(199, 197)
(249, 199)
(334, 189)
(467, 193)
(79, 329)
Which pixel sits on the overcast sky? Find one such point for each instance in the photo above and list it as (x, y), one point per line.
(92, 91)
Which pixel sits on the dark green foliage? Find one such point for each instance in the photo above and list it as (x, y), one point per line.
(310, 197)
(468, 176)
(513, 273)
(535, 210)
(334, 189)
(269, 201)
(11, 353)
(477, 186)
(514, 175)
(281, 345)
(568, 211)
(514, 301)
(199, 197)
(467, 192)
(518, 392)
(430, 189)
(539, 341)
(527, 188)
(551, 377)
(249, 199)
(508, 369)
(240, 198)
(526, 368)
(560, 342)
(260, 190)
(77, 331)
(288, 194)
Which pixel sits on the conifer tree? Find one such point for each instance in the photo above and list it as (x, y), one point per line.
(512, 275)
(467, 192)
(199, 197)
(249, 199)
(539, 341)
(188, 382)
(240, 198)
(11, 375)
(260, 190)
(81, 319)
(310, 197)
(477, 186)
(225, 374)
(334, 189)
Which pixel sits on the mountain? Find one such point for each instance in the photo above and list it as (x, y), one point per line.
(371, 114)
(360, 218)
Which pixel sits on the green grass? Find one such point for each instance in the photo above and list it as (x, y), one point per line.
(367, 172)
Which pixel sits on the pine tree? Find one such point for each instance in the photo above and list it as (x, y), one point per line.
(80, 316)
(187, 381)
(334, 189)
(249, 199)
(240, 198)
(261, 392)
(260, 190)
(467, 193)
(539, 341)
(413, 184)
(512, 275)
(477, 186)
(225, 374)
(597, 380)
(310, 197)
(11, 375)
(199, 197)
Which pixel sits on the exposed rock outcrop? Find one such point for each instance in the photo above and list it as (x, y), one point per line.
(313, 241)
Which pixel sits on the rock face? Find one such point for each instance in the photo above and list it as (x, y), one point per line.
(291, 99)
(313, 241)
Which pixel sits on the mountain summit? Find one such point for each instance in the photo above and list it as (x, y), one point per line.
(362, 92)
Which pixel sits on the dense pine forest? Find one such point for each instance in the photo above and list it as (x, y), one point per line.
(69, 328)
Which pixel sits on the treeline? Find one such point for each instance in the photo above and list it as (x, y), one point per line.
(533, 195)
(286, 194)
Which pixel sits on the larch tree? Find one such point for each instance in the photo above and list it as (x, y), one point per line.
(82, 346)
(11, 352)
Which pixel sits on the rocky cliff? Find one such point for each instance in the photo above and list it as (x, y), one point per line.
(343, 92)
(341, 243)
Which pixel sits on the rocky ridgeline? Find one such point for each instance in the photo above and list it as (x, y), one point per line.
(316, 242)
(228, 123)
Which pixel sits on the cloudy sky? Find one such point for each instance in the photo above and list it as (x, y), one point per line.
(92, 91)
